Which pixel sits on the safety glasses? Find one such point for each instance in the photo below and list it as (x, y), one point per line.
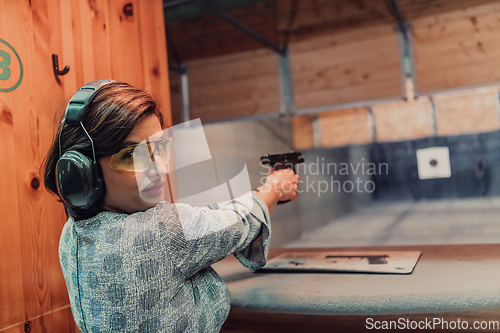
(140, 156)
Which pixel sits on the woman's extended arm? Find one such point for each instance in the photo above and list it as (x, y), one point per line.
(198, 237)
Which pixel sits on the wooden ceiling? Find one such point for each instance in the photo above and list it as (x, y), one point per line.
(288, 21)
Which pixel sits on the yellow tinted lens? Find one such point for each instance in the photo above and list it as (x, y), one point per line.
(139, 157)
(142, 157)
(123, 160)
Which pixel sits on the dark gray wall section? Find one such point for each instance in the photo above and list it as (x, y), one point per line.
(475, 167)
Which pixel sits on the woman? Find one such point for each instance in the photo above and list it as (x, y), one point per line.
(126, 260)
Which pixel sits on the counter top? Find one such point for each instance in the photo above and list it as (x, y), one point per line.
(447, 280)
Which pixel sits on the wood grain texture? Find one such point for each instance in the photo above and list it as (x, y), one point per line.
(208, 36)
(472, 111)
(303, 132)
(290, 21)
(59, 320)
(413, 9)
(17, 30)
(398, 121)
(305, 19)
(345, 127)
(40, 213)
(154, 53)
(234, 86)
(346, 67)
(125, 44)
(33, 288)
(458, 48)
(100, 32)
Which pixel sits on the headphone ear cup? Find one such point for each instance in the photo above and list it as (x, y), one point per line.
(75, 178)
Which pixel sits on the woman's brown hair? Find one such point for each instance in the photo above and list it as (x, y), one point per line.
(110, 117)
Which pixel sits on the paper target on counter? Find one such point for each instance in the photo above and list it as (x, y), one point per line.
(433, 163)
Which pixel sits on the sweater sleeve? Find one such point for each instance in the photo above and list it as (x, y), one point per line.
(199, 237)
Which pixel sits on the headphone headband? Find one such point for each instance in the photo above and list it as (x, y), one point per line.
(77, 106)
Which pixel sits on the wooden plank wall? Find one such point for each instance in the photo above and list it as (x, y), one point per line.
(303, 132)
(234, 86)
(414, 9)
(457, 48)
(341, 51)
(462, 112)
(344, 127)
(208, 36)
(97, 40)
(345, 67)
(402, 120)
(346, 51)
(298, 20)
(471, 111)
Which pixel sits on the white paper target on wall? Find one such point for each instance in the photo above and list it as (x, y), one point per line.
(433, 162)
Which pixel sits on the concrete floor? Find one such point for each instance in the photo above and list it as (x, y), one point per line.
(450, 221)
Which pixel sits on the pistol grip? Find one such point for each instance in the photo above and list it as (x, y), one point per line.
(295, 172)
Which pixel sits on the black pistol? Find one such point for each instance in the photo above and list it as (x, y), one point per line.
(282, 161)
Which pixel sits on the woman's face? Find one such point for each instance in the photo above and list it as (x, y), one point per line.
(122, 187)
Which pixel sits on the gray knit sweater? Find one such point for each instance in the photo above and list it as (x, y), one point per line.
(150, 271)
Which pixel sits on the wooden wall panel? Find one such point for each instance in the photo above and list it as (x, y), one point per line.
(303, 19)
(103, 43)
(458, 48)
(303, 132)
(11, 268)
(234, 86)
(40, 214)
(283, 21)
(345, 127)
(467, 112)
(412, 9)
(398, 121)
(32, 287)
(154, 53)
(208, 36)
(124, 42)
(404, 120)
(346, 67)
(60, 319)
(17, 30)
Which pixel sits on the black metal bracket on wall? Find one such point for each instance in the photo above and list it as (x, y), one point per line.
(55, 66)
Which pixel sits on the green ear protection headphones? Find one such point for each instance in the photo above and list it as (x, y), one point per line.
(79, 180)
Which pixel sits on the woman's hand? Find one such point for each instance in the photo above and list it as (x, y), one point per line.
(280, 185)
(284, 182)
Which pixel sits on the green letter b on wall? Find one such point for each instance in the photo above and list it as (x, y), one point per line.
(4, 65)
(11, 68)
